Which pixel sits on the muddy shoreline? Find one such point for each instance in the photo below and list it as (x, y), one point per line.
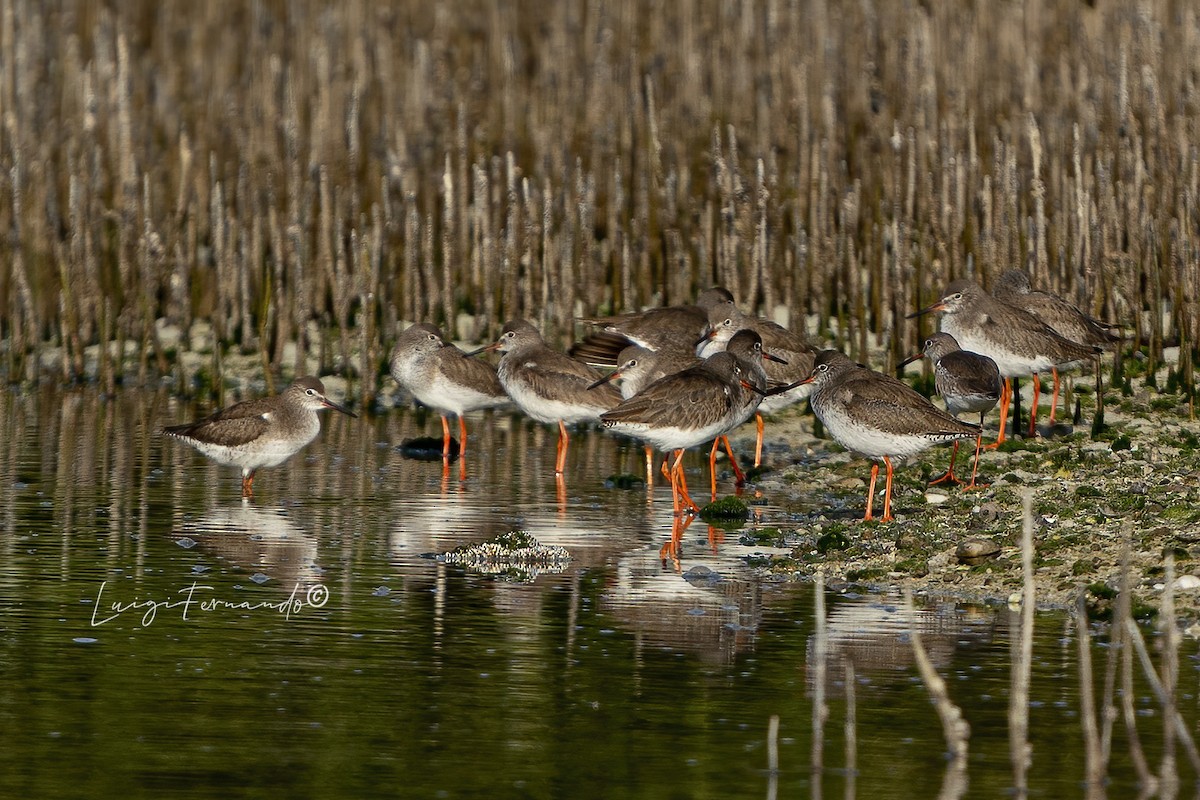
(1136, 481)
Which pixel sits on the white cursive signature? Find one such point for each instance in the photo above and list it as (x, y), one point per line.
(315, 596)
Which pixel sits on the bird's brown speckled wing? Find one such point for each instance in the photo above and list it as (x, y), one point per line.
(897, 413)
(464, 370)
(1001, 320)
(972, 373)
(693, 398)
(238, 424)
(551, 374)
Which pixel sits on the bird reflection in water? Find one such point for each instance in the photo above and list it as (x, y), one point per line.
(259, 539)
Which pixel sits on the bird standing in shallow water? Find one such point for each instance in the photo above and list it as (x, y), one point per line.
(547, 385)
(683, 410)
(878, 416)
(444, 378)
(637, 368)
(793, 358)
(967, 382)
(260, 433)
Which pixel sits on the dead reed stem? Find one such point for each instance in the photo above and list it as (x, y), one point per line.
(773, 757)
(955, 729)
(580, 160)
(851, 730)
(1093, 753)
(1020, 749)
(820, 711)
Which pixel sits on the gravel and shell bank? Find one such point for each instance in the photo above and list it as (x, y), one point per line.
(1135, 482)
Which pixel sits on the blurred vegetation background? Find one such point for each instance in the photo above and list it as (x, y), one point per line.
(290, 180)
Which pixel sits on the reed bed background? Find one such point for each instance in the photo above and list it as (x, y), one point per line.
(295, 173)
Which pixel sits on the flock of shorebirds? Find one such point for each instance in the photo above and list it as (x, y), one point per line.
(682, 376)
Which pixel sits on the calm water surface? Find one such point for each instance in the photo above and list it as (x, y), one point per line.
(325, 653)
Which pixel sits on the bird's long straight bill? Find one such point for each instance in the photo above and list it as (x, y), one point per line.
(612, 376)
(786, 388)
(330, 404)
(938, 306)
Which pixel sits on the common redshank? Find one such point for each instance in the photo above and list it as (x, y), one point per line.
(794, 360)
(636, 369)
(444, 378)
(260, 433)
(1017, 341)
(878, 416)
(547, 385)
(967, 382)
(1013, 287)
(683, 410)
(670, 328)
(747, 346)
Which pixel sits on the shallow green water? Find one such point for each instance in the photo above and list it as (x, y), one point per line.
(358, 666)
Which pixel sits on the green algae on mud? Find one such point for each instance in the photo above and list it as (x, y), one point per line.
(1137, 482)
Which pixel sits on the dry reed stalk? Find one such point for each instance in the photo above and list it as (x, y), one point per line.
(773, 757)
(629, 144)
(1020, 749)
(1123, 619)
(955, 729)
(1173, 721)
(820, 711)
(1096, 767)
(851, 729)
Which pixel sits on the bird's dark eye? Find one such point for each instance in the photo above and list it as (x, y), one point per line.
(956, 296)
(311, 392)
(728, 323)
(433, 337)
(822, 368)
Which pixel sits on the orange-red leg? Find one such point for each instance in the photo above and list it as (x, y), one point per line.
(649, 466)
(564, 441)
(871, 492)
(758, 422)
(560, 492)
(1005, 399)
(1054, 397)
(738, 476)
(445, 437)
(462, 437)
(975, 470)
(685, 502)
(247, 486)
(887, 493)
(675, 502)
(949, 476)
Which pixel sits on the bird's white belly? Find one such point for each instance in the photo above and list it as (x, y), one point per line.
(257, 454)
(862, 437)
(549, 409)
(671, 437)
(449, 396)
